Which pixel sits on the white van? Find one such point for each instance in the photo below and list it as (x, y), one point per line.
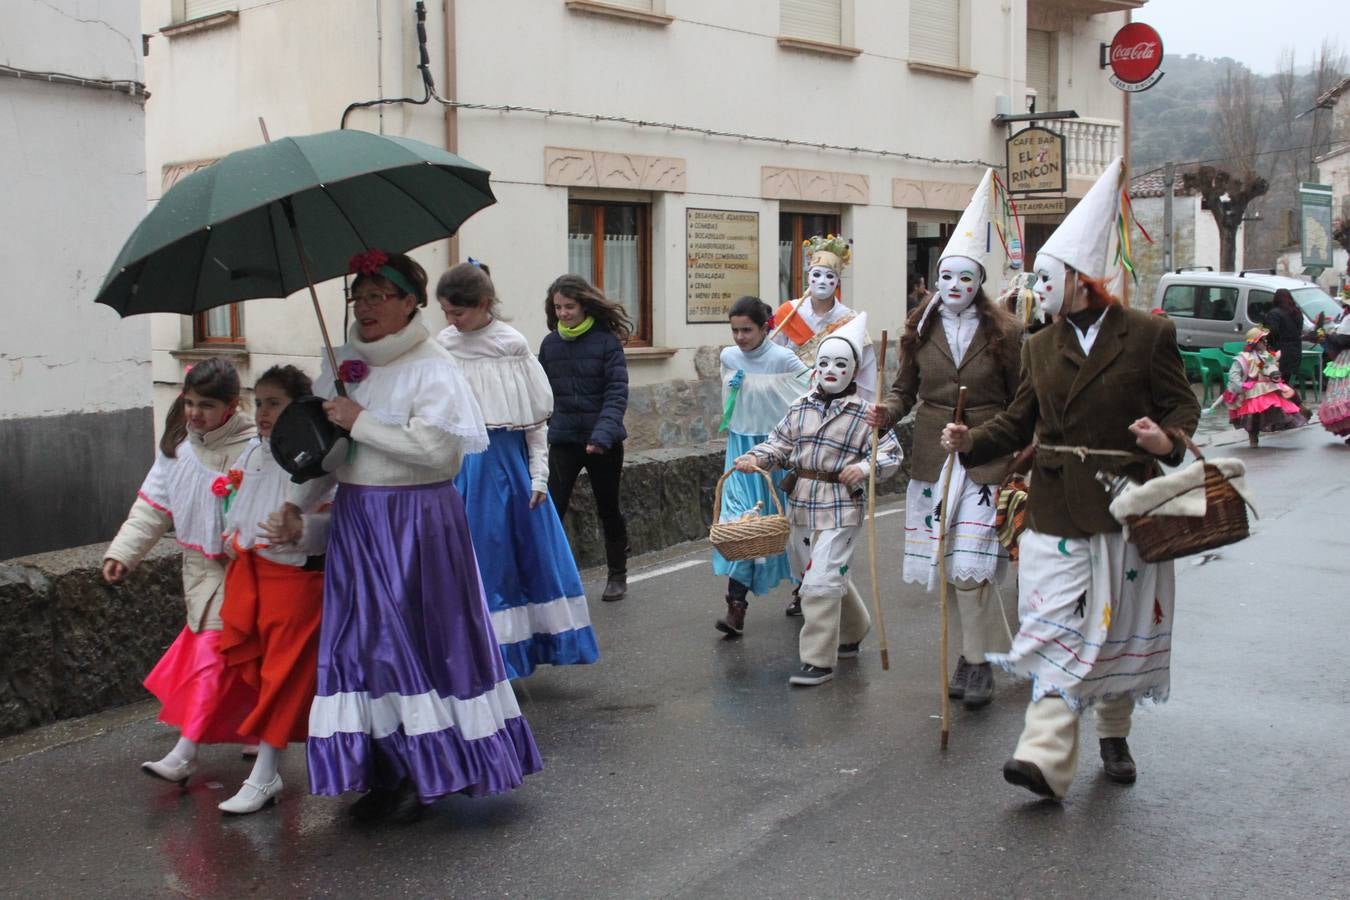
(1212, 308)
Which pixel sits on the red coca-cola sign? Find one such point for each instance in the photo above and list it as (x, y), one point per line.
(1135, 56)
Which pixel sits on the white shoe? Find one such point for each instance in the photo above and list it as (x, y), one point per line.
(171, 768)
(252, 797)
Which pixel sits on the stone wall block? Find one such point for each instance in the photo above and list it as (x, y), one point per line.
(26, 678)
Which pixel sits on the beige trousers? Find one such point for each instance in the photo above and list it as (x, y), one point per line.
(983, 626)
(828, 621)
(1050, 736)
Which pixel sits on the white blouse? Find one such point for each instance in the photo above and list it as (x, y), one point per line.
(264, 488)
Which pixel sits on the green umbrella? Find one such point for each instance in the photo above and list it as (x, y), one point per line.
(270, 220)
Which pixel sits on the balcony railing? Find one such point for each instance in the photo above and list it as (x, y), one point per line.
(1089, 144)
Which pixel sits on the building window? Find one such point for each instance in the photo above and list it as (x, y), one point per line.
(793, 229)
(187, 10)
(221, 325)
(935, 32)
(610, 245)
(1041, 68)
(821, 21)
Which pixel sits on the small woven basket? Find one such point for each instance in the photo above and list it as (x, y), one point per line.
(749, 538)
(1160, 538)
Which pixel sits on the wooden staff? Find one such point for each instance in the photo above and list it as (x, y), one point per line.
(942, 573)
(872, 518)
(778, 326)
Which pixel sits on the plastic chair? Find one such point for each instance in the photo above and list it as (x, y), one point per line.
(1216, 363)
(1310, 369)
(1233, 348)
(1195, 370)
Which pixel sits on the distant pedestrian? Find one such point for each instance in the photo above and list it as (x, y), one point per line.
(760, 380)
(529, 577)
(1257, 397)
(273, 597)
(203, 433)
(584, 360)
(918, 292)
(1335, 409)
(1285, 323)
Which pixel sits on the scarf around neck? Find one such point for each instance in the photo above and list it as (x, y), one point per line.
(570, 333)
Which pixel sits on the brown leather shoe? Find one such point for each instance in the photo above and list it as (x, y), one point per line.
(1116, 760)
(1027, 775)
(733, 623)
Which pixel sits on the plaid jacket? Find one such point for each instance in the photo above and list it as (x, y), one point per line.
(826, 437)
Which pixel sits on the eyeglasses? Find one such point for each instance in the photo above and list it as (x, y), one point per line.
(372, 298)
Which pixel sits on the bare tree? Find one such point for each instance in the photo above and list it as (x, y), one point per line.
(1328, 68)
(1240, 126)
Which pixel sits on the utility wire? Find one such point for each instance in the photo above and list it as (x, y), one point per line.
(1197, 162)
(121, 86)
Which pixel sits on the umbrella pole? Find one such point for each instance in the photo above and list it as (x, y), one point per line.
(314, 297)
(872, 521)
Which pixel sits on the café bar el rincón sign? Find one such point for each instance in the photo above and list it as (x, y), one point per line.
(1035, 162)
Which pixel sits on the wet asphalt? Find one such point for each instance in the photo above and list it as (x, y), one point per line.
(683, 765)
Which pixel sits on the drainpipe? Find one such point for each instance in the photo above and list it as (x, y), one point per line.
(451, 89)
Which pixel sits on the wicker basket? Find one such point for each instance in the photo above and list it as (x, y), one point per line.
(1160, 538)
(749, 538)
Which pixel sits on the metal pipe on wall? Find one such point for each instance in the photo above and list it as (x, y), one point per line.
(450, 86)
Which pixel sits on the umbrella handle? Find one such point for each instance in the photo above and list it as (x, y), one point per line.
(289, 209)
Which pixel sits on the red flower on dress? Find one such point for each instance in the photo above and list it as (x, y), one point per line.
(352, 371)
(367, 263)
(221, 487)
(236, 478)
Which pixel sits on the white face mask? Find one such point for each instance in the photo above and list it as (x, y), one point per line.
(835, 365)
(959, 279)
(822, 282)
(1051, 284)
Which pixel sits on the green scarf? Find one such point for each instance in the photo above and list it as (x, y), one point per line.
(572, 333)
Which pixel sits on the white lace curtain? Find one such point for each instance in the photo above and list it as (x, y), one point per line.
(622, 277)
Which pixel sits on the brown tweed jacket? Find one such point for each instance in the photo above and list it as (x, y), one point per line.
(1067, 399)
(930, 377)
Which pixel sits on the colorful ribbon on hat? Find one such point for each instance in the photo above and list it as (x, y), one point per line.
(1124, 256)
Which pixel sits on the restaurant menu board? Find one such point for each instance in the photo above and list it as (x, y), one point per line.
(722, 262)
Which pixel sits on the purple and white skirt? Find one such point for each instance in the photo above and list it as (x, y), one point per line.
(411, 683)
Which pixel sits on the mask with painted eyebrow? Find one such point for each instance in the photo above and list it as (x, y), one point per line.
(1051, 283)
(835, 365)
(959, 280)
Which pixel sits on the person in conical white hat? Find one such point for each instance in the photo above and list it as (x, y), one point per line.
(1104, 392)
(960, 339)
(801, 324)
(826, 443)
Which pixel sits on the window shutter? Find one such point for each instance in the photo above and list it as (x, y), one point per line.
(934, 31)
(1040, 47)
(198, 9)
(812, 20)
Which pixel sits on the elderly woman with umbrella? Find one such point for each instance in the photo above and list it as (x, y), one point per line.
(413, 702)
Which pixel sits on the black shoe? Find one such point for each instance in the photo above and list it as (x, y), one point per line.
(849, 651)
(1027, 775)
(373, 805)
(794, 609)
(406, 807)
(616, 588)
(733, 623)
(979, 686)
(956, 688)
(809, 675)
(1116, 760)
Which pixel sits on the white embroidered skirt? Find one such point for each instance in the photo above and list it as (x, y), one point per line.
(973, 551)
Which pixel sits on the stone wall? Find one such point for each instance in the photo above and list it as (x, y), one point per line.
(74, 645)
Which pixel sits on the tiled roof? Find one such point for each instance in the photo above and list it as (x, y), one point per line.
(1151, 185)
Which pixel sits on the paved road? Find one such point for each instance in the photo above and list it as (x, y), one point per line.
(682, 765)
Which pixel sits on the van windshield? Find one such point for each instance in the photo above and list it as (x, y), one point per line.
(1314, 300)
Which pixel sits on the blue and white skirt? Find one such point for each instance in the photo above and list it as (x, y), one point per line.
(531, 582)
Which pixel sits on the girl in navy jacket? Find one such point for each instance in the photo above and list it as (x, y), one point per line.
(583, 357)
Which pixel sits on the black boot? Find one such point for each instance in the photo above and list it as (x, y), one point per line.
(979, 686)
(1116, 760)
(616, 556)
(956, 688)
(733, 623)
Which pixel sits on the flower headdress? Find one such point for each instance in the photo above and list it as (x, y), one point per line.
(831, 251)
(376, 262)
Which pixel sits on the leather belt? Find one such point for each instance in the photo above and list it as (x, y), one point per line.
(827, 477)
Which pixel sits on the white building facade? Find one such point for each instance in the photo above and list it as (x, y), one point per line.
(675, 152)
(75, 399)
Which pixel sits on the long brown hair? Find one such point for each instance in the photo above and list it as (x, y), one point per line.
(213, 378)
(999, 325)
(469, 284)
(574, 287)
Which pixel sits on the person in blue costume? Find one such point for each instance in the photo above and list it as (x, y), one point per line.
(529, 577)
(760, 380)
